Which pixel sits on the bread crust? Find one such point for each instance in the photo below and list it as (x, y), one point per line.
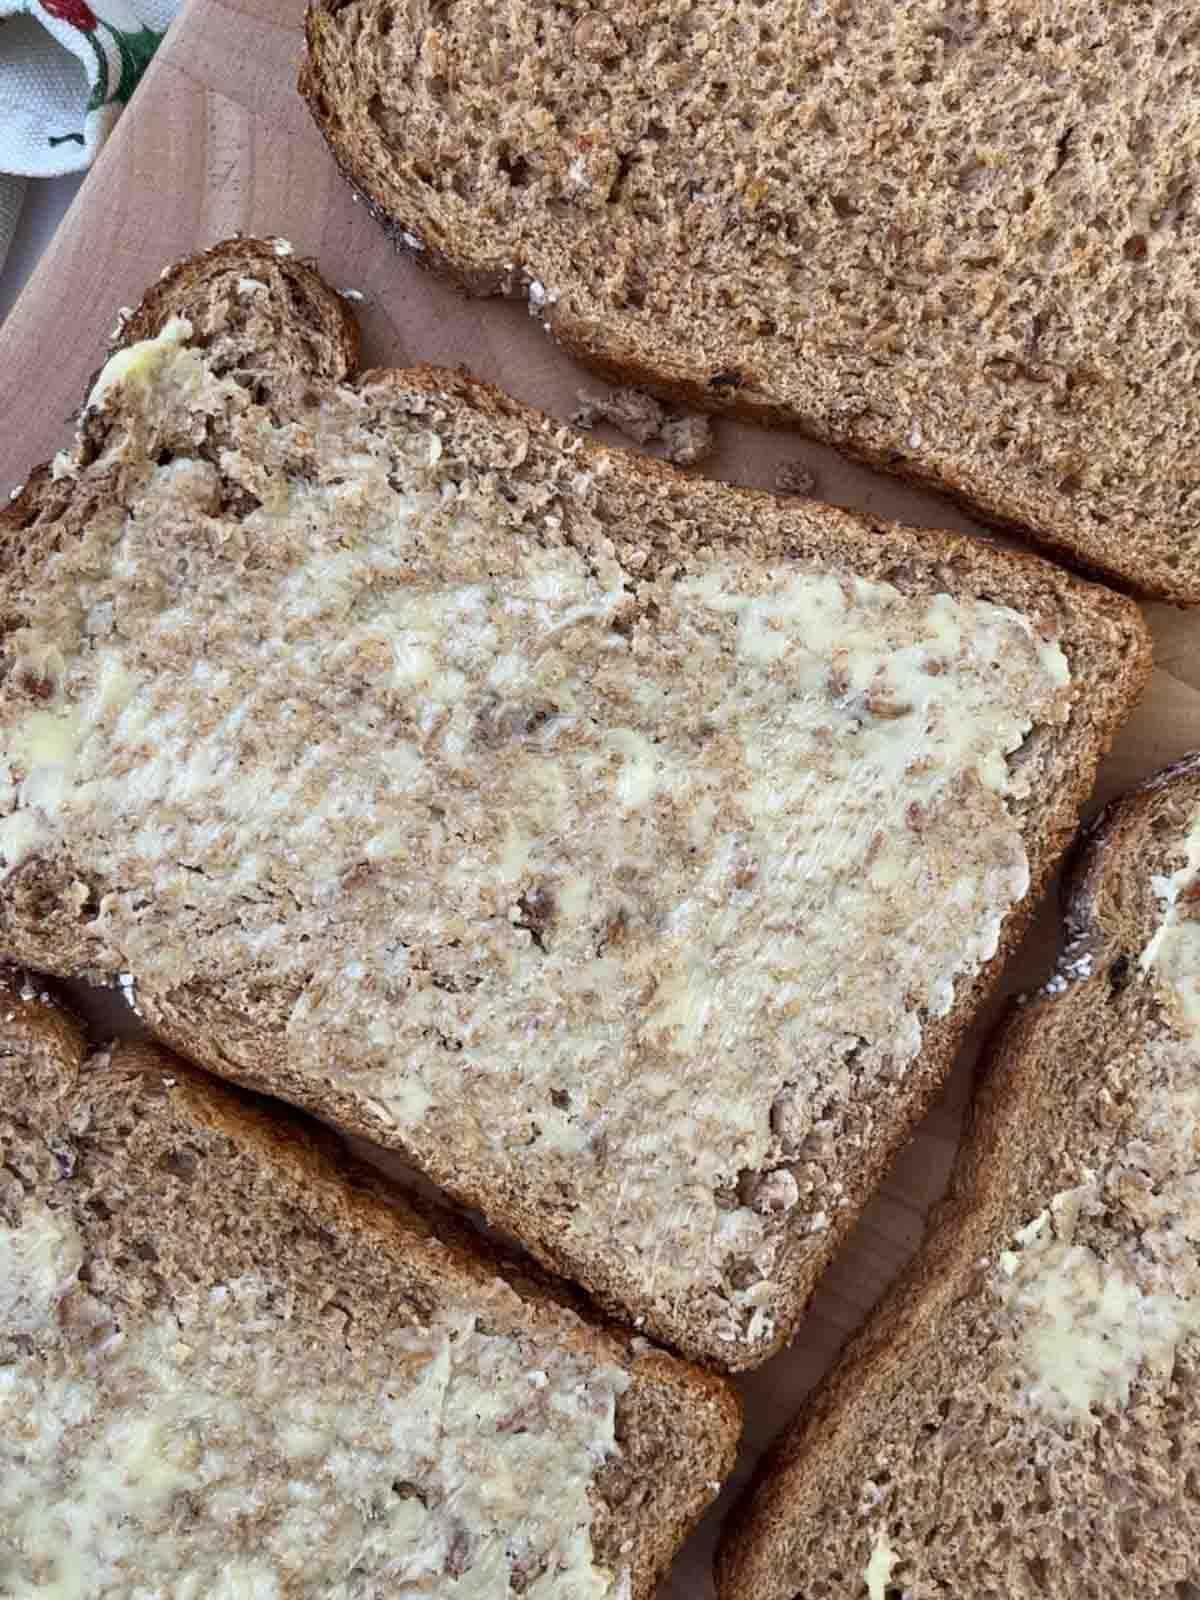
(1006, 1144)
(1090, 617)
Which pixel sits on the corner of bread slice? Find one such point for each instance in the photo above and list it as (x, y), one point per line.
(41, 1051)
(1044, 1346)
(242, 1364)
(256, 307)
(258, 314)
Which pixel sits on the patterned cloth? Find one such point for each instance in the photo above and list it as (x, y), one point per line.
(66, 69)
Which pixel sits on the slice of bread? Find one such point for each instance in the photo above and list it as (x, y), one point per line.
(233, 1363)
(959, 245)
(1020, 1417)
(628, 851)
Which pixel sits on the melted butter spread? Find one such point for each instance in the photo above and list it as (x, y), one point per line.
(1173, 954)
(1104, 1284)
(218, 1453)
(609, 891)
(878, 1571)
(143, 361)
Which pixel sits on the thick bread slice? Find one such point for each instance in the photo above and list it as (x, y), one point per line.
(1021, 1415)
(628, 851)
(232, 1363)
(959, 244)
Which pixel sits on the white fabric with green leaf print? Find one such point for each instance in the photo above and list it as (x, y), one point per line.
(66, 69)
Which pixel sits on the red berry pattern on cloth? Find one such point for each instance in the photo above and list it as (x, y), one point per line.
(46, 125)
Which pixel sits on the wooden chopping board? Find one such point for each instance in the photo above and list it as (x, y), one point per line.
(216, 141)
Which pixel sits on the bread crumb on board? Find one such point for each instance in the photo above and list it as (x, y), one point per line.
(793, 477)
(639, 416)
(684, 440)
(540, 297)
(687, 440)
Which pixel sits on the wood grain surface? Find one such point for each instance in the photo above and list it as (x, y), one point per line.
(215, 141)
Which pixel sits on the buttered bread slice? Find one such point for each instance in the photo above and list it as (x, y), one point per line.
(234, 1365)
(628, 851)
(1021, 1414)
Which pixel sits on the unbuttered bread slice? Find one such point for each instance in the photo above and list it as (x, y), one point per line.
(958, 241)
(234, 1364)
(1021, 1416)
(628, 851)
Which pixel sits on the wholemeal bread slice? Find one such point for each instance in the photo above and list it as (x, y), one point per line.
(958, 243)
(232, 1363)
(628, 851)
(1021, 1416)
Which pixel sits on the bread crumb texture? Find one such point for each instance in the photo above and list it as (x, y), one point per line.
(623, 879)
(449, 1458)
(1051, 1442)
(206, 1396)
(957, 239)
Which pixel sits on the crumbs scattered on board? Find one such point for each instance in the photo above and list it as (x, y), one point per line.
(684, 440)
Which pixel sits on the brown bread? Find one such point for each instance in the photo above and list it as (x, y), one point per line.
(628, 851)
